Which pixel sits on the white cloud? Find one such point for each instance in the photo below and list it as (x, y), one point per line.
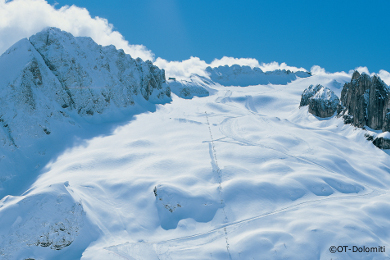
(385, 76)
(362, 70)
(253, 63)
(194, 65)
(182, 69)
(276, 66)
(319, 71)
(232, 61)
(23, 18)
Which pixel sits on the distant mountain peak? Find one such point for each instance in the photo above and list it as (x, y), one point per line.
(237, 75)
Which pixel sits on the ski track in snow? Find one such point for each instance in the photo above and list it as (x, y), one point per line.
(237, 224)
(229, 129)
(218, 171)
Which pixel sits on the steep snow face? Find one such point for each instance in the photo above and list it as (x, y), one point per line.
(195, 86)
(29, 94)
(53, 85)
(236, 75)
(240, 174)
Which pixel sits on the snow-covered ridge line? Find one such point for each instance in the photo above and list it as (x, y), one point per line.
(237, 75)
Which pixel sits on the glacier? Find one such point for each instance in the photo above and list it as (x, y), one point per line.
(214, 171)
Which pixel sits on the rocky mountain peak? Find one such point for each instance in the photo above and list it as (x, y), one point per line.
(355, 75)
(364, 102)
(54, 74)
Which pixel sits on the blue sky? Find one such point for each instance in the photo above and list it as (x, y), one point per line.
(337, 35)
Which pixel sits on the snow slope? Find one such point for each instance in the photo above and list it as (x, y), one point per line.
(243, 173)
(194, 86)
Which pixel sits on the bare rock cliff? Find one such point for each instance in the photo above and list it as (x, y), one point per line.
(365, 102)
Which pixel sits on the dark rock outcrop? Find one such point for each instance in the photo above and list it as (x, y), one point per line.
(365, 102)
(321, 100)
(382, 142)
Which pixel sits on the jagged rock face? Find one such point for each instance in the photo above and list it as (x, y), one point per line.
(54, 74)
(365, 102)
(322, 101)
(243, 76)
(93, 75)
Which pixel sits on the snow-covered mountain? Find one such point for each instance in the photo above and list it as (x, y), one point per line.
(53, 82)
(216, 172)
(243, 76)
(53, 73)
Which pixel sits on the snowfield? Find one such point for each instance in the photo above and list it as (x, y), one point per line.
(240, 174)
(218, 172)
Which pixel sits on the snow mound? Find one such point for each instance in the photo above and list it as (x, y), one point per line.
(174, 205)
(51, 219)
